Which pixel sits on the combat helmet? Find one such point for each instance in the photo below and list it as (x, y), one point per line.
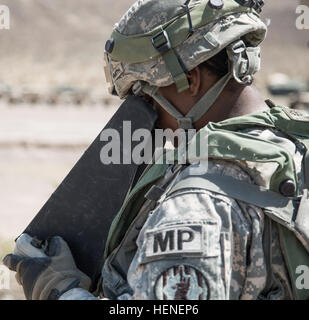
(157, 42)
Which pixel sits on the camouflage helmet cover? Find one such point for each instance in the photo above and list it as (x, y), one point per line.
(219, 28)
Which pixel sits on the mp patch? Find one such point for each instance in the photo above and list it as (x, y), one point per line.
(181, 282)
(176, 239)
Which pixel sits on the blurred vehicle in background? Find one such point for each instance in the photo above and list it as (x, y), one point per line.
(295, 90)
(53, 96)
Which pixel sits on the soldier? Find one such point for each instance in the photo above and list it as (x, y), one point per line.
(222, 230)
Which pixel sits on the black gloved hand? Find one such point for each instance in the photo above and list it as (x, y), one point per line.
(47, 274)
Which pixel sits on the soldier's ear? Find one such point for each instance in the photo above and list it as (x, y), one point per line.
(194, 77)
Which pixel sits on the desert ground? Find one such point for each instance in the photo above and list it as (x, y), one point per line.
(38, 147)
(60, 43)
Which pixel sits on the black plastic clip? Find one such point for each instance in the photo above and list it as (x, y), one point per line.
(257, 5)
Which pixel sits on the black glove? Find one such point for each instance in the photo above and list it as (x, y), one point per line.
(45, 274)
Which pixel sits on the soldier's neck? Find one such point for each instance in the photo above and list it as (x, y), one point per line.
(236, 100)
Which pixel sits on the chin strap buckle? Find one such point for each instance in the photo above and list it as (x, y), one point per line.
(185, 123)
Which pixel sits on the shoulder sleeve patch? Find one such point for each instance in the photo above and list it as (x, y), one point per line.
(196, 239)
(181, 282)
(297, 115)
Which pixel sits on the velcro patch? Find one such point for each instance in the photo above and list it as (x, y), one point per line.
(297, 115)
(175, 239)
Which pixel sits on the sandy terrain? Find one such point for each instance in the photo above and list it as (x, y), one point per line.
(38, 147)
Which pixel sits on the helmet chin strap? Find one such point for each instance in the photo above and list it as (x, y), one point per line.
(243, 63)
(197, 111)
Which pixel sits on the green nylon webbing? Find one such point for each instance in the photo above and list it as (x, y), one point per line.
(139, 48)
(295, 255)
(204, 104)
(198, 110)
(152, 92)
(173, 65)
(243, 191)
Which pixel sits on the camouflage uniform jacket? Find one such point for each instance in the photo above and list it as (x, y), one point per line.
(197, 244)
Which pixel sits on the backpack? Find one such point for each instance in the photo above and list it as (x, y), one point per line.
(286, 201)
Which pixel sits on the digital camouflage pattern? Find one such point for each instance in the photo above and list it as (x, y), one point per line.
(233, 262)
(206, 42)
